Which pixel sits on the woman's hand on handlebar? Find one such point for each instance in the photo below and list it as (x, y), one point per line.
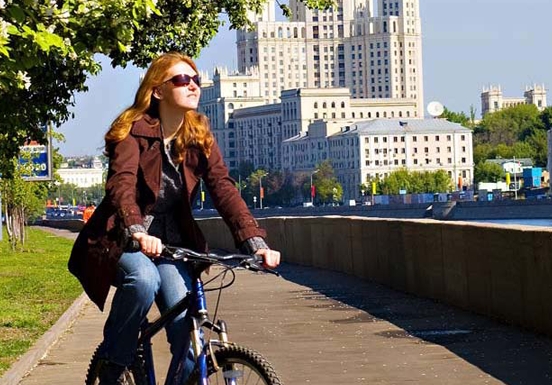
(271, 258)
(149, 245)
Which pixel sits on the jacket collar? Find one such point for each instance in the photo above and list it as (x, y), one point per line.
(147, 127)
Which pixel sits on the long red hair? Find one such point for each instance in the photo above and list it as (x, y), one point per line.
(195, 127)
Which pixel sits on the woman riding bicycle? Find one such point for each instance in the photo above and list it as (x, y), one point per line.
(158, 149)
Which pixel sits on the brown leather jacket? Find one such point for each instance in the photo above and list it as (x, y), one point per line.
(132, 186)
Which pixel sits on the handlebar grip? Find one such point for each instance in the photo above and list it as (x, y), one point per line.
(259, 261)
(133, 246)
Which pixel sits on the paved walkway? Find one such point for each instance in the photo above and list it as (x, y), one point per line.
(321, 327)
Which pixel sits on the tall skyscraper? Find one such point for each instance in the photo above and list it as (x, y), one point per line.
(361, 59)
(376, 54)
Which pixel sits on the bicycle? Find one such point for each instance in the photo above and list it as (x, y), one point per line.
(218, 361)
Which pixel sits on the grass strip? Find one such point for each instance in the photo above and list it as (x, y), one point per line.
(35, 290)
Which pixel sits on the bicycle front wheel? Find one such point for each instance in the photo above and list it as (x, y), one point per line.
(135, 375)
(239, 366)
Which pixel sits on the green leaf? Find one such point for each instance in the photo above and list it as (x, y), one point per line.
(17, 13)
(153, 7)
(286, 11)
(12, 30)
(5, 51)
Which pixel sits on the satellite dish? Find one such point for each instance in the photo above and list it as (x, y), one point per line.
(435, 109)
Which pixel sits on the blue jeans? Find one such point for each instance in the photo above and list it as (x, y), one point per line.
(139, 283)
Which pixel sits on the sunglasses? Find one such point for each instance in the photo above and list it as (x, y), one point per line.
(184, 80)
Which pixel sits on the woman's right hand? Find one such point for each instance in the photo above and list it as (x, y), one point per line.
(149, 245)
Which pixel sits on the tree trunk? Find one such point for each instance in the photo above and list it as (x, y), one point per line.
(15, 226)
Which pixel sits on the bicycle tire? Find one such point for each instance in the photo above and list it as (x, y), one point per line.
(241, 360)
(135, 376)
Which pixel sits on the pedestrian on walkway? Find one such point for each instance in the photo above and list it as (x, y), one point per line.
(158, 149)
(88, 211)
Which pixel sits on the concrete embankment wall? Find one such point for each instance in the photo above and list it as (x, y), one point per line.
(504, 272)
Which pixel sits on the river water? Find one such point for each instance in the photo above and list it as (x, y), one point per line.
(525, 222)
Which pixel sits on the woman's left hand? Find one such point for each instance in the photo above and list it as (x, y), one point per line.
(271, 257)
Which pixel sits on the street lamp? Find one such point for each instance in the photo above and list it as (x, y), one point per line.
(261, 191)
(311, 186)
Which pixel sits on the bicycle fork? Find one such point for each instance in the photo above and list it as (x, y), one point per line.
(202, 350)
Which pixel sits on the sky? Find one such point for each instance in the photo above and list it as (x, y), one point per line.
(467, 45)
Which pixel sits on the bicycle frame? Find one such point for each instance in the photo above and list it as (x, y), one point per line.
(195, 303)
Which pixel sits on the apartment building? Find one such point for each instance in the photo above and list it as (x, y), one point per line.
(260, 130)
(361, 151)
(220, 97)
(83, 176)
(492, 99)
(341, 65)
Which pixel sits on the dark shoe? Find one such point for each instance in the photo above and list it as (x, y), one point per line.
(112, 374)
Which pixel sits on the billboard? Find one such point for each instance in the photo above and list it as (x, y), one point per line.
(40, 155)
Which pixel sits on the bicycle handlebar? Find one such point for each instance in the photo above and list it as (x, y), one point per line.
(248, 261)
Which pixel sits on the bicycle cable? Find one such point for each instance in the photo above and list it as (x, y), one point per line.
(217, 302)
(223, 272)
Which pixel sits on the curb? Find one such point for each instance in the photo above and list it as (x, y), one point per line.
(29, 360)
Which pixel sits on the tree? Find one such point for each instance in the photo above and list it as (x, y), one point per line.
(273, 184)
(488, 172)
(48, 49)
(457, 117)
(509, 125)
(21, 200)
(546, 118)
(254, 183)
(518, 131)
(328, 189)
(395, 181)
(415, 182)
(481, 152)
(291, 191)
(538, 142)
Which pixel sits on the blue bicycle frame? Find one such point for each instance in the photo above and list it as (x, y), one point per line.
(198, 314)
